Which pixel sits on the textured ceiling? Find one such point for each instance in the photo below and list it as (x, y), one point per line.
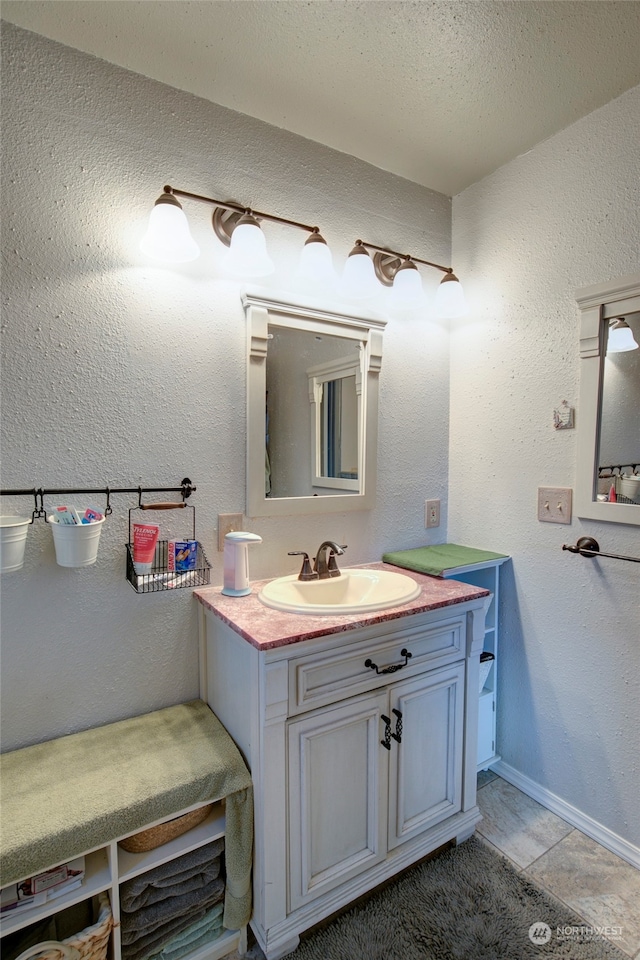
(440, 93)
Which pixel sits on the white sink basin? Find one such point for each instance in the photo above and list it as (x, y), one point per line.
(354, 591)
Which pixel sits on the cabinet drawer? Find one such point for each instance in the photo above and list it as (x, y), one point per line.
(321, 678)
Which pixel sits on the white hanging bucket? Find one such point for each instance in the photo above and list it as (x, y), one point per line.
(13, 537)
(76, 543)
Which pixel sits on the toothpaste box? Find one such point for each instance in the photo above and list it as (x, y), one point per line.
(67, 515)
(182, 554)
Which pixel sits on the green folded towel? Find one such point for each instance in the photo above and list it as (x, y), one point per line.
(435, 560)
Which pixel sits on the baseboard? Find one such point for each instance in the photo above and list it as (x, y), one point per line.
(607, 838)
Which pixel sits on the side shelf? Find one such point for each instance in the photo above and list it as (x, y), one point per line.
(486, 575)
(108, 866)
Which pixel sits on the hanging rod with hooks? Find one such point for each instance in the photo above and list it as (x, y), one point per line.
(588, 547)
(186, 488)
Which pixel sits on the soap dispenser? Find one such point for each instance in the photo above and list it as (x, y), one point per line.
(236, 563)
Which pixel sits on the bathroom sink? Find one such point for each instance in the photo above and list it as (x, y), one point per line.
(354, 591)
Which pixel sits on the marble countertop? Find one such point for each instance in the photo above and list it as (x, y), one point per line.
(266, 629)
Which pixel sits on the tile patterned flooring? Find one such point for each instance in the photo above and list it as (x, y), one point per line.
(594, 883)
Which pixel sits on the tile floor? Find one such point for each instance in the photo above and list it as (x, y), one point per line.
(597, 885)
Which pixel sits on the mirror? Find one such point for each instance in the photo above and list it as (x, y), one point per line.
(312, 409)
(609, 413)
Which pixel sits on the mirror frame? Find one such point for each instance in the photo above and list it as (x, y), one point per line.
(598, 304)
(261, 312)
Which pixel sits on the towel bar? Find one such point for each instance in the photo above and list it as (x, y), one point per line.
(588, 547)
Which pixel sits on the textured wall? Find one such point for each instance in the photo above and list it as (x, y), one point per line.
(117, 371)
(563, 216)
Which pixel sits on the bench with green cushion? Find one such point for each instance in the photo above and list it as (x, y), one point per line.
(66, 796)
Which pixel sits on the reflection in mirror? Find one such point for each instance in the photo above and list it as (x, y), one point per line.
(312, 409)
(310, 412)
(608, 417)
(338, 440)
(619, 434)
(335, 394)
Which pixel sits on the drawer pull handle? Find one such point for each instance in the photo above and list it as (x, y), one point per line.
(386, 743)
(392, 667)
(397, 736)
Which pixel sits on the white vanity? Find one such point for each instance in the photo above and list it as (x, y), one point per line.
(360, 732)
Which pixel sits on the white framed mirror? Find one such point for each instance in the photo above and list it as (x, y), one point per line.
(609, 411)
(312, 408)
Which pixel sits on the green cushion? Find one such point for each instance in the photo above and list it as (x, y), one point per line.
(65, 796)
(435, 560)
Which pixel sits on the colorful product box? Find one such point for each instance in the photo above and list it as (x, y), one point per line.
(36, 890)
(182, 554)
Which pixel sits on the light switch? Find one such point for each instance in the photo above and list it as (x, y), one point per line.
(228, 523)
(554, 504)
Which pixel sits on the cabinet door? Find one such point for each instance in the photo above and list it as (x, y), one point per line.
(337, 795)
(425, 767)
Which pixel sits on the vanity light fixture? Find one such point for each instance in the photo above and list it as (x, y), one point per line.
(394, 268)
(168, 237)
(621, 336)
(316, 262)
(247, 255)
(238, 227)
(358, 276)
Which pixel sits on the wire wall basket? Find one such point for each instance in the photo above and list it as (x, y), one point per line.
(160, 577)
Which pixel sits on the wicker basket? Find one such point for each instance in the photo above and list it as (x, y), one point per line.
(163, 832)
(90, 944)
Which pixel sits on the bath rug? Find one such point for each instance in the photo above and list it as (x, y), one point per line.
(469, 903)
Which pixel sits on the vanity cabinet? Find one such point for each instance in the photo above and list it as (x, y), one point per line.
(370, 773)
(360, 735)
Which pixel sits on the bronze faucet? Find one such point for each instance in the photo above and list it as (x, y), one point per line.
(324, 567)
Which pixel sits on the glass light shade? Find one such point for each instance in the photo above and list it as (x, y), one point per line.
(359, 277)
(621, 337)
(316, 264)
(168, 237)
(407, 288)
(450, 302)
(247, 255)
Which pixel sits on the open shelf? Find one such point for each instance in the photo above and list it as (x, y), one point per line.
(133, 864)
(97, 877)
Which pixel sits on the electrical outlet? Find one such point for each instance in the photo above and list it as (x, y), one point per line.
(228, 523)
(432, 513)
(554, 504)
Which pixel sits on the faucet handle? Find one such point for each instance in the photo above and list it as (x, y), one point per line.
(306, 573)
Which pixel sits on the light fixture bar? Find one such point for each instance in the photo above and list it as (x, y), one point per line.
(405, 256)
(239, 208)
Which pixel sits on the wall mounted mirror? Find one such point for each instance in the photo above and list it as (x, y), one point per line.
(312, 409)
(609, 412)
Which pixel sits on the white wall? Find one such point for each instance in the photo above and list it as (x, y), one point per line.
(563, 216)
(117, 371)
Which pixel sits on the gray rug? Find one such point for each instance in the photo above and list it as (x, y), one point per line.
(467, 904)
